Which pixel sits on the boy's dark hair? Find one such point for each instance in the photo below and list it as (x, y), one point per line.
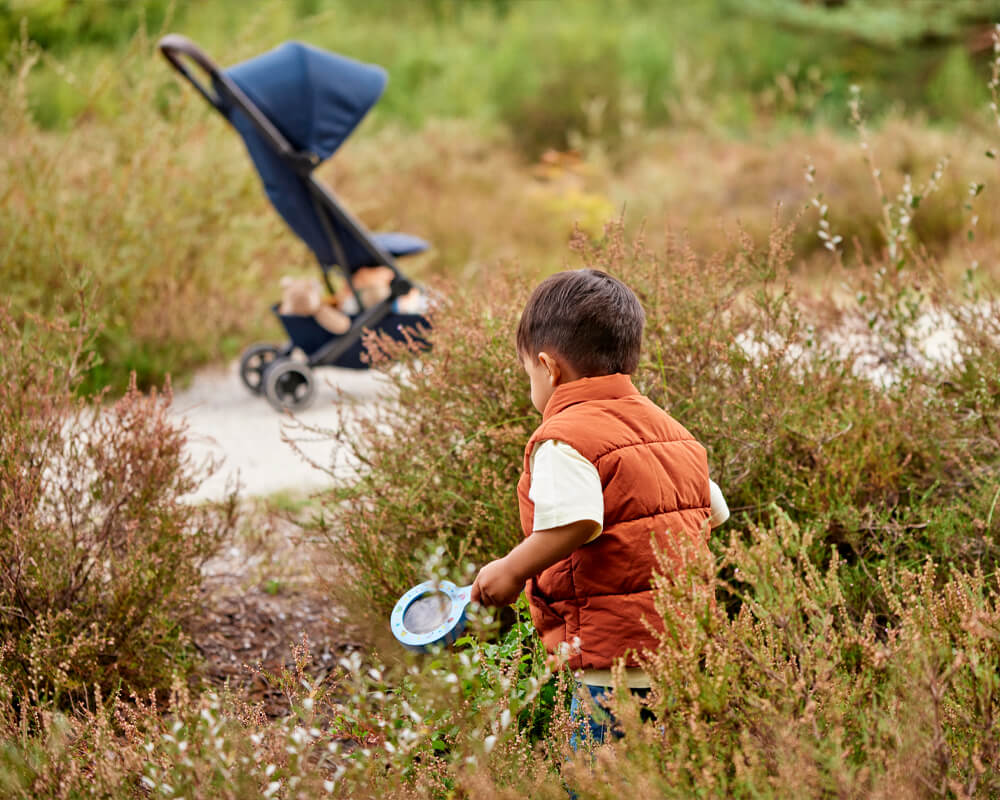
(592, 320)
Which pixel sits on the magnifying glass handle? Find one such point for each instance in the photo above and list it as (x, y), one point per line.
(463, 594)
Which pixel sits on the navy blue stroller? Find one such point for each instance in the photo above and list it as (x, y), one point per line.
(294, 106)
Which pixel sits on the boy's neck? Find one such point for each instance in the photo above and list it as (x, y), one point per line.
(569, 373)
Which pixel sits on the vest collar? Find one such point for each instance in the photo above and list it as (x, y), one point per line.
(603, 387)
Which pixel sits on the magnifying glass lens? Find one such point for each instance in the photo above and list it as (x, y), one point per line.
(427, 612)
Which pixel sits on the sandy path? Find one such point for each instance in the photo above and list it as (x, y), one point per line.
(265, 590)
(243, 433)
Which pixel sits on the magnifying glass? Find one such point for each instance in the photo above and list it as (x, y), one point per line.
(431, 613)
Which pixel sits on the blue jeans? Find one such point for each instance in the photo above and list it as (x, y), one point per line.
(599, 723)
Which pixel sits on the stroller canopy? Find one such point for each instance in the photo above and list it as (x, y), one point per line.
(315, 99)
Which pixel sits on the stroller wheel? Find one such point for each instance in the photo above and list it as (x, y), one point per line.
(254, 361)
(289, 385)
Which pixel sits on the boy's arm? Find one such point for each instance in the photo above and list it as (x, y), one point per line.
(501, 581)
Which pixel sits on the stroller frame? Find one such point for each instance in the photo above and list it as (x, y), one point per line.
(223, 92)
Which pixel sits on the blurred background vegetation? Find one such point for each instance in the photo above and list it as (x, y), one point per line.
(505, 124)
(535, 65)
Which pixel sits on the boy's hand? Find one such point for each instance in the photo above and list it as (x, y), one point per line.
(496, 585)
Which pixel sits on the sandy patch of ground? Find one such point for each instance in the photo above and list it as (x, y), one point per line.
(242, 433)
(264, 591)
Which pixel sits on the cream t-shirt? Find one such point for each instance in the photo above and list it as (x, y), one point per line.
(566, 488)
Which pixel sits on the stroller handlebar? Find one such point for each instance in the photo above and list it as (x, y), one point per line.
(174, 46)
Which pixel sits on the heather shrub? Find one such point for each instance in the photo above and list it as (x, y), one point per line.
(792, 696)
(853, 433)
(862, 475)
(795, 697)
(438, 464)
(860, 436)
(98, 552)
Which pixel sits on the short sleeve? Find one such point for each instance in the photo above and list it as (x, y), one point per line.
(565, 487)
(720, 510)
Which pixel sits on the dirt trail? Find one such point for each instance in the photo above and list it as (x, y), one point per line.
(266, 589)
(243, 433)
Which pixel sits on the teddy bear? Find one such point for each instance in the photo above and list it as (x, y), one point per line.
(304, 297)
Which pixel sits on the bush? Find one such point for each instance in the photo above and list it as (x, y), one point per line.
(887, 23)
(60, 24)
(792, 697)
(572, 93)
(98, 552)
(794, 411)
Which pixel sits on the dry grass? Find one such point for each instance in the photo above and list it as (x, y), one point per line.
(852, 650)
(159, 214)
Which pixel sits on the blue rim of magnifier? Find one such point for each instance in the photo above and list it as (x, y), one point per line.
(447, 632)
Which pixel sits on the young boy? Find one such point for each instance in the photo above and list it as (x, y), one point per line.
(604, 470)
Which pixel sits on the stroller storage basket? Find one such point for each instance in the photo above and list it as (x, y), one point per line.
(310, 337)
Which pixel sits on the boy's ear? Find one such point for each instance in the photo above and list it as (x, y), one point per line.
(552, 366)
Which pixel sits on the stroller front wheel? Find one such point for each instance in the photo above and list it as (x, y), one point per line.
(254, 362)
(289, 385)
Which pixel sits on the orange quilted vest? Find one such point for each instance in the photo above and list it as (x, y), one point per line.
(655, 479)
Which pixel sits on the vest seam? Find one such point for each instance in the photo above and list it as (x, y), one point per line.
(644, 444)
(657, 514)
(615, 448)
(576, 598)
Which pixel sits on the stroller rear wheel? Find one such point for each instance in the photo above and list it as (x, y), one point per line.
(254, 362)
(289, 385)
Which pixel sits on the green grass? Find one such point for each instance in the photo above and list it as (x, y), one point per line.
(487, 61)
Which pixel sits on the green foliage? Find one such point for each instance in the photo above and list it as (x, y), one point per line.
(120, 208)
(955, 88)
(887, 23)
(98, 552)
(62, 24)
(572, 93)
(549, 70)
